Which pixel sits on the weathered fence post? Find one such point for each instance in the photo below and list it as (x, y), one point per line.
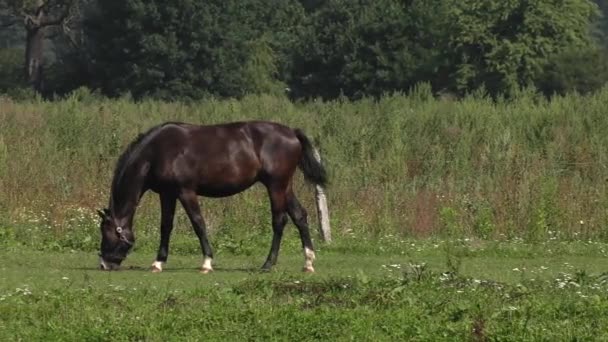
(322, 211)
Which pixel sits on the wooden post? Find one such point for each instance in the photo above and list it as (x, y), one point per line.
(322, 211)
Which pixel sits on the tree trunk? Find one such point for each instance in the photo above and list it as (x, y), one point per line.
(34, 56)
(36, 18)
(34, 48)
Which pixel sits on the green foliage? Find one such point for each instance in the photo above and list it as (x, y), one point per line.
(69, 72)
(11, 70)
(484, 226)
(261, 69)
(369, 47)
(372, 47)
(52, 296)
(59, 22)
(189, 48)
(450, 221)
(504, 45)
(579, 70)
(404, 165)
(600, 27)
(546, 221)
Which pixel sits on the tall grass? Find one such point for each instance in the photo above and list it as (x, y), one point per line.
(404, 165)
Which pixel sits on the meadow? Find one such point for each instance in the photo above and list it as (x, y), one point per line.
(503, 292)
(472, 219)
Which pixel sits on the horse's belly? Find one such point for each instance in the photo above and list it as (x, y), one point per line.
(222, 190)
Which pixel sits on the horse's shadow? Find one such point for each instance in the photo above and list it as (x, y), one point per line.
(133, 268)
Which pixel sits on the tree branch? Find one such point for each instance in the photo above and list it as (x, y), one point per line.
(31, 22)
(58, 20)
(54, 21)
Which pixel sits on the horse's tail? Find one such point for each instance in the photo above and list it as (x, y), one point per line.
(313, 170)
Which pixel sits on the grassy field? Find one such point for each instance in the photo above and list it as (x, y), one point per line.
(452, 220)
(407, 165)
(435, 290)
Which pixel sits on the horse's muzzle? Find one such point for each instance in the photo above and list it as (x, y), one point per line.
(106, 265)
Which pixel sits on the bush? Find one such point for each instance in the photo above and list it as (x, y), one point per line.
(191, 49)
(11, 69)
(368, 48)
(583, 71)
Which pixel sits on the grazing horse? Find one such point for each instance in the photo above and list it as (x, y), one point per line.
(182, 161)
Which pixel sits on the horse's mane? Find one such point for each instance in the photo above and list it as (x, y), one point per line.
(130, 151)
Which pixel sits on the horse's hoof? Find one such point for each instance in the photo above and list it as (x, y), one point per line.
(206, 270)
(308, 269)
(156, 267)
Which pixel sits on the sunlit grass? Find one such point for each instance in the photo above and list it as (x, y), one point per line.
(410, 166)
(496, 295)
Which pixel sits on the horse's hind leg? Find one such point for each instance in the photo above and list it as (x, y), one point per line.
(299, 216)
(167, 204)
(189, 201)
(279, 220)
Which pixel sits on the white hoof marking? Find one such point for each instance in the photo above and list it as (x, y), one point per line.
(308, 270)
(206, 268)
(309, 257)
(157, 266)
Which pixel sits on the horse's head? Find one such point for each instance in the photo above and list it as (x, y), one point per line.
(116, 240)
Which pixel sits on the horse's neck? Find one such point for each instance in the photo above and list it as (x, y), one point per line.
(127, 193)
(123, 209)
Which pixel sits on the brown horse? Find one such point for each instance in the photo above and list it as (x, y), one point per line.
(181, 161)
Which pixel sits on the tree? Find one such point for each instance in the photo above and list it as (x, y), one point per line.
(188, 48)
(9, 76)
(369, 47)
(37, 17)
(505, 44)
(580, 70)
(323, 48)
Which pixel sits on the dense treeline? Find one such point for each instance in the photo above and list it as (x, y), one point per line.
(313, 48)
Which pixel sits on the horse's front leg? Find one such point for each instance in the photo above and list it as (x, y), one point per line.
(167, 204)
(189, 201)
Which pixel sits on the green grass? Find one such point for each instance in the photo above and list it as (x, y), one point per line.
(504, 291)
(467, 220)
(407, 165)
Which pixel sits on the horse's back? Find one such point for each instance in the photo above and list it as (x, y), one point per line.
(223, 159)
(276, 146)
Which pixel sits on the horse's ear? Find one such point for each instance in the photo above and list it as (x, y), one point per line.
(103, 214)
